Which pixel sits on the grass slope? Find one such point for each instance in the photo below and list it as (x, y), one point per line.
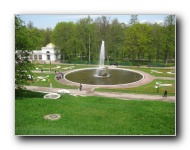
(92, 116)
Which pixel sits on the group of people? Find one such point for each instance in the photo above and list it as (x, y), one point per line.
(59, 75)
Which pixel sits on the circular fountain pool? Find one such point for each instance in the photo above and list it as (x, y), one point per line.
(116, 76)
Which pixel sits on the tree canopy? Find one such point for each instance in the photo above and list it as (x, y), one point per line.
(27, 38)
(81, 41)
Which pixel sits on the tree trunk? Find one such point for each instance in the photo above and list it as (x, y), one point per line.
(62, 57)
(166, 58)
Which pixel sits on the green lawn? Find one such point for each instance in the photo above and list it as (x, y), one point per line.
(49, 78)
(157, 72)
(145, 89)
(92, 116)
(62, 67)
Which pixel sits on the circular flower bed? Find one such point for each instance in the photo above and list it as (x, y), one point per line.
(52, 116)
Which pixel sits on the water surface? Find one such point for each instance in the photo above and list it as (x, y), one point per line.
(116, 76)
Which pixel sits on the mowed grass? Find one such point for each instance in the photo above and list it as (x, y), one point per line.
(92, 116)
(60, 67)
(157, 72)
(145, 89)
(48, 80)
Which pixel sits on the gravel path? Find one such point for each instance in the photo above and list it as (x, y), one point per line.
(89, 92)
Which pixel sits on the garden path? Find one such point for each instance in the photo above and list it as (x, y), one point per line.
(90, 92)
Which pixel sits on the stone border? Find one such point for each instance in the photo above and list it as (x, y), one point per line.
(101, 85)
(147, 78)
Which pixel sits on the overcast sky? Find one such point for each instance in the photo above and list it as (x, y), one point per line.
(44, 21)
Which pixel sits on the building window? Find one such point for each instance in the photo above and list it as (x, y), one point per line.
(35, 57)
(40, 57)
(31, 57)
(48, 55)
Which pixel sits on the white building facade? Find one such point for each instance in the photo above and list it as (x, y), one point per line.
(46, 54)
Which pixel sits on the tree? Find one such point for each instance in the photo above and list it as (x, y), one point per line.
(116, 35)
(169, 50)
(146, 49)
(103, 24)
(82, 40)
(134, 19)
(47, 36)
(36, 38)
(157, 36)
(23, 45)
(84, 35)
(138, 41)
(63, 36)
(30, 25)
(131, 42)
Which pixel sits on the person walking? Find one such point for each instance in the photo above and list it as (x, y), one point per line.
(138, 65)
(32, 79)
(80, 87)
(165, 93)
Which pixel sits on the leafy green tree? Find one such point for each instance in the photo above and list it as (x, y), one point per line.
(23, 45)
(103, 24)
(85, 37)
(36, 38)
(116, 35)
(157, 37)
(169, 50)
(63, 36)
(146, 49)
(134, 19)
(30, 25)
(131, 46)
(82, 40)
(95, 41)
(47, 36)
(138, 41)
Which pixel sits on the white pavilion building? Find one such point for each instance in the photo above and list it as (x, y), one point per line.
(46, 54)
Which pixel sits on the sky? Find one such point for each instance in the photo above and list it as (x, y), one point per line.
(50, 21)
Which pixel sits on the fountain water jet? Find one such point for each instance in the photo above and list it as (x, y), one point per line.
(52, 95)
(100, 75)
(102, 71)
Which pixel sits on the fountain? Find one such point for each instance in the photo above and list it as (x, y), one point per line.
(51, 95)
(101, 76)
(102, 71)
